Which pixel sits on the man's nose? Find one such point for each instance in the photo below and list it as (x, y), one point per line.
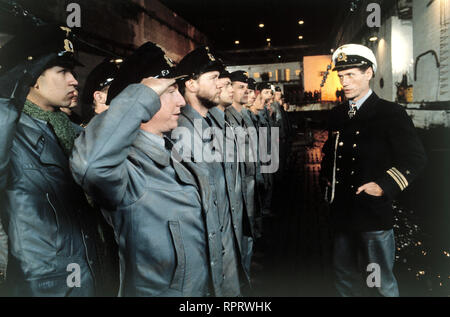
(181, 102)
(72, 80)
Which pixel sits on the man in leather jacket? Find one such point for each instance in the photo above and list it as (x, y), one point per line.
(51, 232)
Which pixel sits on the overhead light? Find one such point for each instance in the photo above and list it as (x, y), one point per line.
(300, 37)
(332, 50)
(373, 39)
(261, 25)
(268, 39)
(236, 42)
(301, 22)
(118, 61)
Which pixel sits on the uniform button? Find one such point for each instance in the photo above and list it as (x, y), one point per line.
(337, 182)
(340, 156)
(86, 236)
(235, 227)
(212, 263)
(352, 173)
(354, 145)
(341, 144)
(211, 236)
(338, 169)
(352, 187)
(353, 159)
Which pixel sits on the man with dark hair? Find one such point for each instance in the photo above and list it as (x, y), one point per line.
(372, 154)
(155, 204)
(51, 229)
(202, 92)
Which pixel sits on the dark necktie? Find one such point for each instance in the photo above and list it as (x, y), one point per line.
(353, 110)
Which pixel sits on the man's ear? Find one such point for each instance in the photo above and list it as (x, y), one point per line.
(36, 84)
(369, 73)
(191, 85)
(100, 97)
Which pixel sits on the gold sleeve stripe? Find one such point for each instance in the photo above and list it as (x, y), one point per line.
(397, 180)
(401, 176)
(398, 177)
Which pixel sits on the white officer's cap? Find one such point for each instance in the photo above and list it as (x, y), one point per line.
(354, 55)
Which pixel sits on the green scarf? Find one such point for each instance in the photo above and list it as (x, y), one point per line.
(58, 120)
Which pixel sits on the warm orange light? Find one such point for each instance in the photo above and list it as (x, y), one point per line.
(268, 39)
(236, 42)
(300, 37)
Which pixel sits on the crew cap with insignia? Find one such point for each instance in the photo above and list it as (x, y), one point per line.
(200, 61)
(37, 42)
(26, 56)
(354, 55)
(251, 84)
(100, 77)
(240, 76)
(149, 60)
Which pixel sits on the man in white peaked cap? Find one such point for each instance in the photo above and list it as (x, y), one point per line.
(373, 153)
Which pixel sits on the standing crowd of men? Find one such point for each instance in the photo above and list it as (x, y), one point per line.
(165, 192)
(162, 193)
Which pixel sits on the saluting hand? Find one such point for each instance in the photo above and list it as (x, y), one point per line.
(159, 85)
(371, 189)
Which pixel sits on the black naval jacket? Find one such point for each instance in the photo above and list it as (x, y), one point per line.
(378, 145)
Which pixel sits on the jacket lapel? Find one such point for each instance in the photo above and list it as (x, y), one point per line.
(51, 153)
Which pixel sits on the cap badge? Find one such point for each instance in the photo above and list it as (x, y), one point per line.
(211, 57)
(68, 46)
(342, 57)
(66, 29)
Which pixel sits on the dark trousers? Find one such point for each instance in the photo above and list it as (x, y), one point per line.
(357, 258)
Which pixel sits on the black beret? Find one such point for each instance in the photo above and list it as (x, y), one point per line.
(263, 85)
(251, 84)
(278, 89)
(100, 77)
(240, 76)
(37, 42)
(149, 60)
(200, 61)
